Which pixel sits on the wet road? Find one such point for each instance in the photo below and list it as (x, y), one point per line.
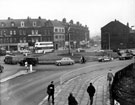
(30, 89)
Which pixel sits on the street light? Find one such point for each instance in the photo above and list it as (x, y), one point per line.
(109, 40)
(69, 38)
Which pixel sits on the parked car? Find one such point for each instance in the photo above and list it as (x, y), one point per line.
(125, 56)
(65, 61)
(80, 50)
(11, 59)
(30, 61)
(105, 59)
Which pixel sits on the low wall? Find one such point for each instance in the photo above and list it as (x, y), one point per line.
(123, 86)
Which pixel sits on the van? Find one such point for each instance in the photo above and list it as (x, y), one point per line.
(11, 60)
(30, 60)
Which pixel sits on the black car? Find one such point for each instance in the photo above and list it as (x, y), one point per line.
(30, 61)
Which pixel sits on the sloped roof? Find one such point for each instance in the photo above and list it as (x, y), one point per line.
(57, 23)
(115, 22)
(27, 22)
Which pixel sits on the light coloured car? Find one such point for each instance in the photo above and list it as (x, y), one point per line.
(65, 61)
(105, 59)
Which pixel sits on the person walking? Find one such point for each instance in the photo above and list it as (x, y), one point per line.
(91, 91)
(72, 100)
(50, 92)
(82, 59)
(110, 77)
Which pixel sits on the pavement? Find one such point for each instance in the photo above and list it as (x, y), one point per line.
(8, 76)
(78, 87)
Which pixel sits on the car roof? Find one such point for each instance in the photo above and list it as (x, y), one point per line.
(66, 58)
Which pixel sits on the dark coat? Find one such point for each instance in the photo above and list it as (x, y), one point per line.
(91, 90)
(50, 89)
(72, 100)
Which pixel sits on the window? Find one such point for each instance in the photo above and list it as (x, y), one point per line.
(63, 37)
(12, 24)
(59, 29)
(24, 32)
(32, 32)
(20, 32)
(0, 33)
(3, 24)
(10, 32)
(20, 41)
(14, 32)
(1, 40)
(56, 30)
(4, 32)
(56, 37)
(10, 40)
(24, 39)
(22, 24)
(60, 37)
(36, 32)
(34, 24)
(62, 30)
(15, 40)
(7, 40)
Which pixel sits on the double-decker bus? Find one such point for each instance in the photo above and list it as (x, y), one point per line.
(2, 52)
(44, 47)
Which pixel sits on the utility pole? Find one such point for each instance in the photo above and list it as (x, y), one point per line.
(109, 40)
(69, 39)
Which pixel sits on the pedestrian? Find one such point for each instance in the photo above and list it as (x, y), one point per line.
(26, 65)
(82, 59)
(72, 100)
(50, 92)
(110, 77)
(91, 91)
(1, 69)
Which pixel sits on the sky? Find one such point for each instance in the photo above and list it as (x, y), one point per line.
(93, 13)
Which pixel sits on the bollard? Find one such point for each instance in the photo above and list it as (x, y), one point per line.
(31, 68)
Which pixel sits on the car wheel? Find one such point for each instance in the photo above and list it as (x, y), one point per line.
(71, 63)
(59, 64)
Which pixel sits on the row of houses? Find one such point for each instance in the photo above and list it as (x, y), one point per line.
(18, 34)
(116, 35)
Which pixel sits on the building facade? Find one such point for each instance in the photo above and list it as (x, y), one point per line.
(77, 34)
(116, 35)
(19, 34)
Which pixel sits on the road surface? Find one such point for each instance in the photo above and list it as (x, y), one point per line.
(31, 89)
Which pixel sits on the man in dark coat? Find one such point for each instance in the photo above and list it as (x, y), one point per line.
(72, 100)
(110, 77)
(82, 59)
(91, 91)
(50, 91)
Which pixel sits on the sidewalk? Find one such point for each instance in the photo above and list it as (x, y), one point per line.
(78, 87)
(8, 77)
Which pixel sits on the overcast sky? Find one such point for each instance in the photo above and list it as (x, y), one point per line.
(93, 13)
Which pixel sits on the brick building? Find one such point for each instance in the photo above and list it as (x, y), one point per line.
(18, 34)
(76, 33)
(116, 35)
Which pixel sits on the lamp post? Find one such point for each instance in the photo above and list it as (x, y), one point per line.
(69, 39)
(109, 40)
